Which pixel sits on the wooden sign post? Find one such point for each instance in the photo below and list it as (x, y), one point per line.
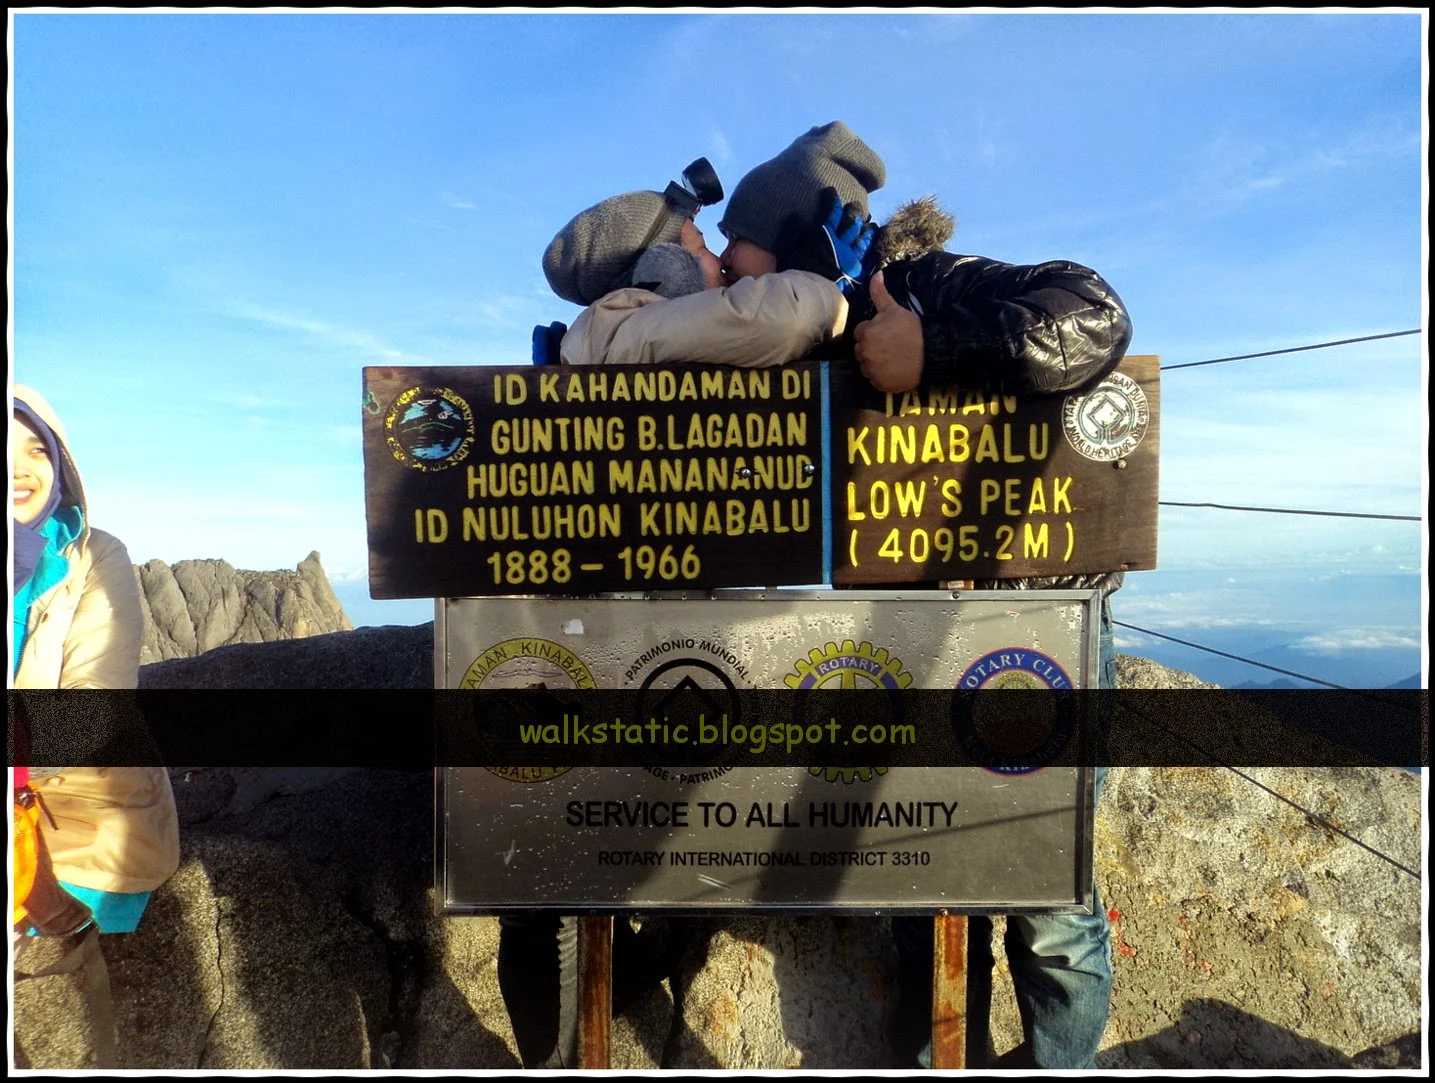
(550, 480)
(595, 992)
(488, 482)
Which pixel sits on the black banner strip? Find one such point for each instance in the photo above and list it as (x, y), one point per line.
(998, 730)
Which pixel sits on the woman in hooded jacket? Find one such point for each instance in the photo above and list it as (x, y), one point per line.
(109, 835)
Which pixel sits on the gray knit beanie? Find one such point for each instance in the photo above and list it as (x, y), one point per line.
(831, 156)
(670, 270)
(594, 254)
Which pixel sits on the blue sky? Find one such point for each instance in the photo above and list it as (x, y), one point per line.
(218, 219)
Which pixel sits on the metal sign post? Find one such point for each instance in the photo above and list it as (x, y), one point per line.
(949, 991)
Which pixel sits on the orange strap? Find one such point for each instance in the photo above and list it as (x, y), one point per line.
(27, 847)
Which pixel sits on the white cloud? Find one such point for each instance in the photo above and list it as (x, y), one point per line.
(1191, 610)
(505, 311)
(341, 337)
(1231, 171)
(721, 147)
(1355, 639)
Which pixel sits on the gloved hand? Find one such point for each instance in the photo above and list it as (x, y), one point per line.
(547, 338)
(832, 244)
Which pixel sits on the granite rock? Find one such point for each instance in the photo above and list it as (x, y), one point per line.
(197, 605)
(1261, 919)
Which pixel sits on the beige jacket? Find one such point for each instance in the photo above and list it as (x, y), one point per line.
(115, 827)
(755, 323)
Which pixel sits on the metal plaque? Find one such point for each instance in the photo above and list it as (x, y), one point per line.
(861, 839)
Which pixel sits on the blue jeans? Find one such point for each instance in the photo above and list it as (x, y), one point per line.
(1060, 965)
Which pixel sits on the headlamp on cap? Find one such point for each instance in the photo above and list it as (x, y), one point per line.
(700, 188)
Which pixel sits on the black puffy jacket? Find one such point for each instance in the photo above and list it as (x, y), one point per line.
(1051, 328)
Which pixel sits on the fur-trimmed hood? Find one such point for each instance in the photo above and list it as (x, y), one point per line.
(916, 227)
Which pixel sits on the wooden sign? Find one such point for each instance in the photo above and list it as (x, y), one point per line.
(554, 480)
(557, 480)
(944, 483)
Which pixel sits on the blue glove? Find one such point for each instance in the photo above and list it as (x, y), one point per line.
(851, 237)
(546, 341)
(832, 245)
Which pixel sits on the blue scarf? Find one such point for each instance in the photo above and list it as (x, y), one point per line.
(59, 530)
(29, 542)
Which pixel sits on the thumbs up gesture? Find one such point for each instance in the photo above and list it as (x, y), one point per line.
(889, 346)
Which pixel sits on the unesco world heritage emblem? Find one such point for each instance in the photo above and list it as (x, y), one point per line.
(1013, 735)
(1109, 421)
(429, 428)
(688, 690)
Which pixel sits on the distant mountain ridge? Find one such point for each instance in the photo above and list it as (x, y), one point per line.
(1413, 681)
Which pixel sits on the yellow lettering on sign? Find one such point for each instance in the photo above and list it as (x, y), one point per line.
(990, 492)
(958, 445)
(931, 444)
(1035, 544)
(670, 475)
(879, 500)
(1037, 502)
(853, 515)
(901, 444)
(857, 445)
(951, 498)
(732, 436)
(910, 498)
(735, 518)
(940, 401)
(613, 432)
(712, 382)
(507, 522)
(987, 446)
(716, 473)
(712, 520)
(1061, 494)
(1038, 448)
(1011, 489)
(620, 475)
